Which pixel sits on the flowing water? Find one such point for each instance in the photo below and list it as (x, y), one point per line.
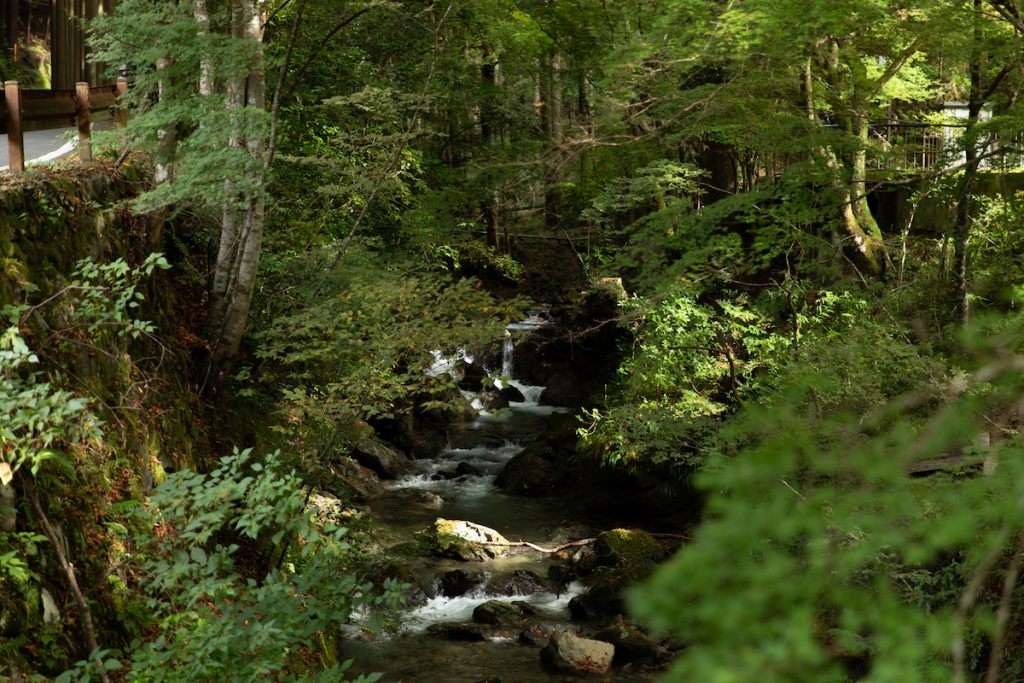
(481, 447)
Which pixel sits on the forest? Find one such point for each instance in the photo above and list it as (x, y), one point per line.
(497, 341)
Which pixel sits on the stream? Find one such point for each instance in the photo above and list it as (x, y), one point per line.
(478, 449)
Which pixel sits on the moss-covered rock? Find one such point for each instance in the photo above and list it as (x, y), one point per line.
(631, 551)
(465, 541)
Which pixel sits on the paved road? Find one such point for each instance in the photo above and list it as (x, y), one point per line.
(46, 145)
(43, 145)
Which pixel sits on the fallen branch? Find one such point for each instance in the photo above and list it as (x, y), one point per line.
(532, 546)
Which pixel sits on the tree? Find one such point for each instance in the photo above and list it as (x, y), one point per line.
(779, 82)
(200, 95)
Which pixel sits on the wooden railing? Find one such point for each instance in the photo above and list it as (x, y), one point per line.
(29, 110)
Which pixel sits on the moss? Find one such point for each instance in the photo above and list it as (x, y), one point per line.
(632, 550)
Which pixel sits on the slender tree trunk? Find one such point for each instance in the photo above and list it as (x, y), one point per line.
(242, 227)
(229, 234)
(488, 75)
(552, 92)
(965, 190)
(202, 16)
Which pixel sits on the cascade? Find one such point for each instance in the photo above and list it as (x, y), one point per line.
(506, 355)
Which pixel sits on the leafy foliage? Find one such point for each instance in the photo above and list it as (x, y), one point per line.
(825, 495)
(209, 616)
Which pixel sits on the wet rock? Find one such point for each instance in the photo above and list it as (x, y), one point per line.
(532, 355)
(519, 582)
(529, 472)
(562, 390)
(493, 400)
(444, 475)
(423, 443)
(458, 582)
(602, 599)
(386, 461)
(466, 541)
(464, 469)
(584, 560)
(560, 576)
(632, 644)
(568, 652)
(429, 499)
(416, 498)
(462, 632)
(632, 551)
(348, 479)
(503, 614)
(473, 377)
(534, 636)
(511, 394)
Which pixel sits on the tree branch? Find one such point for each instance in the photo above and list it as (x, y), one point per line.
(69, 572)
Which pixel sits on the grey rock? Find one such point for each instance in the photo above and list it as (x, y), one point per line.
(519, 582)
(388, 462)
(568, 652)
(501, 613)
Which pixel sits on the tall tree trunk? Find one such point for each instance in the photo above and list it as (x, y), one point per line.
(849, 179)
(229, 234)
(719, 160)
(488, 75)
(551, 89)
(861, 226)
(202, 16)
(242, 228)
(962, 224)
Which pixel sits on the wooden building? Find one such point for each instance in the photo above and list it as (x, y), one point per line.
(62, 23)
(69, 54)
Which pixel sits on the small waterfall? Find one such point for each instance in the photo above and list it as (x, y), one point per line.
(506, 355)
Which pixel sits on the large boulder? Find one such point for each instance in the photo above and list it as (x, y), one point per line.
(519, 582)
(602, 599)
(563, 390)
(632, 644)
(511, 394)
(456, 631)
(631, 551)
(348, 479)
(388, 462)
(422, 443)
(568, 652)
(503, 614)
(465, 541)
(457, 582)
(492, 399)
(473, 377)
(529, 472)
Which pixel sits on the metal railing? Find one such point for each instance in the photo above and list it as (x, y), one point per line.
(913, 146)
(22, 111)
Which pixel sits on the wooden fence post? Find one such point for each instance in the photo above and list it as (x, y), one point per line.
(15, 136)
(84, 123)
(122, 106)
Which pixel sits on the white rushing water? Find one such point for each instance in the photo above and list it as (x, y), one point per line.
(439, 610)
